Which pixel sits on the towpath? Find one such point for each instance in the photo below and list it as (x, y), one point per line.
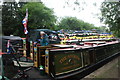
(110, 71)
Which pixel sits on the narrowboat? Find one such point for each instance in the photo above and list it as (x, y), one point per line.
(60, 61)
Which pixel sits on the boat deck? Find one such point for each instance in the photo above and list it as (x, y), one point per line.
(34, 74)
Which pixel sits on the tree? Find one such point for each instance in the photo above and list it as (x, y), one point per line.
(13, 13)
(77, 5)
(0, 20)
(111, 16)
(72, 23)
(11, 18)
(39, 16)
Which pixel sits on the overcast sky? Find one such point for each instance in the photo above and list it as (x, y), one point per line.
(88, 14)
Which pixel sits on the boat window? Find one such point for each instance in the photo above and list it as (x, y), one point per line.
(53, 37)
(86, 60)
(100, 53)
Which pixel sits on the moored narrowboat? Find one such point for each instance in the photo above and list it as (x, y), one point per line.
(63, 61)
(57, 61)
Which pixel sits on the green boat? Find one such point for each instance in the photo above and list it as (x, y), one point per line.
(57, 61)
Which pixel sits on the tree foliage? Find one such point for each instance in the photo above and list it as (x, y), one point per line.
(77, 5)
(39, 16)
(72, 23)
(111, 16)
(11, 18)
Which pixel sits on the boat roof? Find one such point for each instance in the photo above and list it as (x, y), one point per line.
(85, 46)
(45, 30)
(10, 37)
(35, 34)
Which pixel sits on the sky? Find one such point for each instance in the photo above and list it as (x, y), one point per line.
(89, 14)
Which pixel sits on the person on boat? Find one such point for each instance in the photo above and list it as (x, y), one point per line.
(44, 41)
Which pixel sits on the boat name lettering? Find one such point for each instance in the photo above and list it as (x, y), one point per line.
(68, 57)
